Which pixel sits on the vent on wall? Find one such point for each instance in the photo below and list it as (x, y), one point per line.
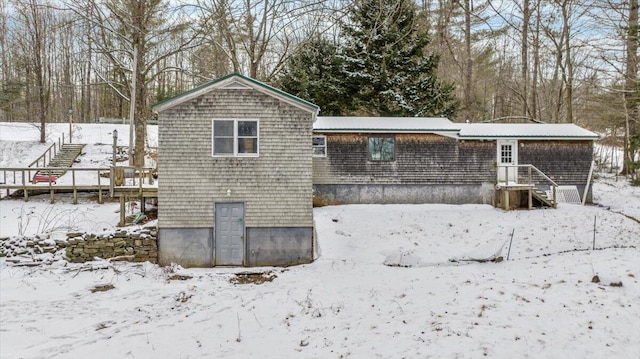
(235, 85)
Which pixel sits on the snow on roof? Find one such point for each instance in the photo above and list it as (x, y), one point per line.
(384, 124)
(460, 130)
(524, 130)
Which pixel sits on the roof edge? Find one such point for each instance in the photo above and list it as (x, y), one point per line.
(258, 85)
(489, 137)
(384, 130)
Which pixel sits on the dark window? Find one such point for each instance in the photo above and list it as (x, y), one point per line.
(319, 146)
(382, 148)
(506, 153)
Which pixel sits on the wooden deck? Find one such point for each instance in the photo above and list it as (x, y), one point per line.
(132, 183)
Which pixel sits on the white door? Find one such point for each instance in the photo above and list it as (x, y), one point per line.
(507, 156)
(229, 236)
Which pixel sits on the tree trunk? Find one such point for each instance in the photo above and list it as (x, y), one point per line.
(525, 57)
(568, 62)
(468, 63)
(535, 112)
(631, 85)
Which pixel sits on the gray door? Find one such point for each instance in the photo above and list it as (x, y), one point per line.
(229, 239)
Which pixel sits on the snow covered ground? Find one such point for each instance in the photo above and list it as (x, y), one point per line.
(383, 286)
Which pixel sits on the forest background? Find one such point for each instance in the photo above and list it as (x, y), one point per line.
(556, 61)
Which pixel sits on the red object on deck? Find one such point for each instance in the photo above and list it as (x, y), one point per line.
(44, 178)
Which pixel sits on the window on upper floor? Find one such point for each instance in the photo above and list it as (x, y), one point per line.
(319, 146)
(382, 148)
(235, 138)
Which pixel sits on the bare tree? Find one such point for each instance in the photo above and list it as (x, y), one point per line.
(258, 36)
(34, 39)
(135, 36)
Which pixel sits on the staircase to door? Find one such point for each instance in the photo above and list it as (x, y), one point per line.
(527, 178)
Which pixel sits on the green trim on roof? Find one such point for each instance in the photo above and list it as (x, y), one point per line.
(249, 79)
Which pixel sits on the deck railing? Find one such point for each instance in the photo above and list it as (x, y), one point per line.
(46, 157)
(127, 179)
(130, 177)
(525, 180)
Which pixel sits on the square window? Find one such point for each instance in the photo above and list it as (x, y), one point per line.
(319, 144)
(235, 138)
(382, 148)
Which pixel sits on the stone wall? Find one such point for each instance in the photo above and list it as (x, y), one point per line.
(137, 245)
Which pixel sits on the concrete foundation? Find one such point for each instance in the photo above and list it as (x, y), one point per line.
(404, 193)
(195, 247)
(279, 246)
(189, 247)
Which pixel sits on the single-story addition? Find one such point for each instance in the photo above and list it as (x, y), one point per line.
(433, 160)
(235, 176)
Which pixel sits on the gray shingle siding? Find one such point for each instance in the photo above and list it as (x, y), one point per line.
(566, 162)
(276, 185)
(419, 159)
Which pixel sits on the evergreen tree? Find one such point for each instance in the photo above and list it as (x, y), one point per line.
(314, 74)
(388, 69)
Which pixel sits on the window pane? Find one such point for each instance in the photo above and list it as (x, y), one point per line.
(381, 148)
(223, 128)
(506, 153)
(223, 146)
(318, 141)
(247, 128)
(319, 146)
(247, 145)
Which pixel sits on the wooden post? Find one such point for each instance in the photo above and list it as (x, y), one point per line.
(99, 189)
(24, 186)
(51, 190)
(506, 200)
(530, 198)
(121, 224)
(73, 184)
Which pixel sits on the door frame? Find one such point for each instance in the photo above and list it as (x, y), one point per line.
(244, 232)
(512, 172)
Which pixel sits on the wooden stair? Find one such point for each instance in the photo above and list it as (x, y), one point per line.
(65, 157)
(543, 198)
